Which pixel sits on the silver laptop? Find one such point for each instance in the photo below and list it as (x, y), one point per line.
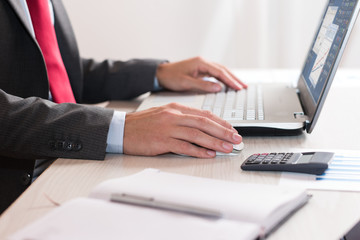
(278, 109)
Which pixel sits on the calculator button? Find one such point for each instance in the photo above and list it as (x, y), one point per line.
(251, 163)
(252, 158)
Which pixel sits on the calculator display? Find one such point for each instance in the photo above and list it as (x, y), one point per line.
(305, 158)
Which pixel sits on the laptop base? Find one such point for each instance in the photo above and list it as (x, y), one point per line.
(261, 131)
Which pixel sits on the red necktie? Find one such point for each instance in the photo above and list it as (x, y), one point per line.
(45, 34)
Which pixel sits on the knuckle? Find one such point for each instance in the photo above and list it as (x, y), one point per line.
(183, 146)
(199, 59)
(201, 153)
(216, 143)
(203, 121)
(194, 134)
(227, 133)
(171, 105)
(207, 113)
(174, 105)
(167, 114)
(192, 150)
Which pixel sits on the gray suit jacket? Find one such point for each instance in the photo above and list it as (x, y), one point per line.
(31, 127)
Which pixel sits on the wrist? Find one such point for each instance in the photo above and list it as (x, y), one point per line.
(161, 72)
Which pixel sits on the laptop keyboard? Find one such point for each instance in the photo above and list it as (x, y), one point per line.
(236, 105)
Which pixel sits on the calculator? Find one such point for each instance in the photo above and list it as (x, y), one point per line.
(302, 162)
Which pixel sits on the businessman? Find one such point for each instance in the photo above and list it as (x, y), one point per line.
(43, 81)
(34, 127)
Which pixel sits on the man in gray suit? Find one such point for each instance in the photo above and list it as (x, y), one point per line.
(32, 127)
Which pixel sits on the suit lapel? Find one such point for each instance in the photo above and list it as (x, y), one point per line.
(19, 9)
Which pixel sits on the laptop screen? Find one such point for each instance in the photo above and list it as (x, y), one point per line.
(324, 56)
(326, 45)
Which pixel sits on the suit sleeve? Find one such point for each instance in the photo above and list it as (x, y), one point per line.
(115, 80)
(37, 128)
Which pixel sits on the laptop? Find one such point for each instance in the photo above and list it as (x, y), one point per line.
(278, 109)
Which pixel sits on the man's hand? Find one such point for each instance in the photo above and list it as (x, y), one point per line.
(178, 129)
(188, 75)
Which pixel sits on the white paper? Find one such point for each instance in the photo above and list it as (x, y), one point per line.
(343, 173)
(249, 210)
(254, 203)
(92, 219)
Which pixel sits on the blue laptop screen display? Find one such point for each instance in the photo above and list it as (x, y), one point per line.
(326, 45)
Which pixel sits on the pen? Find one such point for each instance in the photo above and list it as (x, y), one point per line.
(151, 202)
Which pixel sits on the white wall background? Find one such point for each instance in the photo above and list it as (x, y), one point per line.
(236, 33)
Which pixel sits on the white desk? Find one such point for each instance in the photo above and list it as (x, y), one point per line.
(328, 215)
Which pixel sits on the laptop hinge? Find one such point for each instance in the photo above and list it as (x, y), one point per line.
(298, 115)
(301, 115)
(307, 125)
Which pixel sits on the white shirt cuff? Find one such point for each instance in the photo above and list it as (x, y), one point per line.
(115, 138)
(157, 86)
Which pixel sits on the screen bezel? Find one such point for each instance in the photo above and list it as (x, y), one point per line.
(312, 110)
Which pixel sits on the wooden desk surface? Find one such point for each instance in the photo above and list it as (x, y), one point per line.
(328, 215)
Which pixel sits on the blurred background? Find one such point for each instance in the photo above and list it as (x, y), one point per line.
(236, 33)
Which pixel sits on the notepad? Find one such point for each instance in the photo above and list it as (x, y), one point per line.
(247, 211)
